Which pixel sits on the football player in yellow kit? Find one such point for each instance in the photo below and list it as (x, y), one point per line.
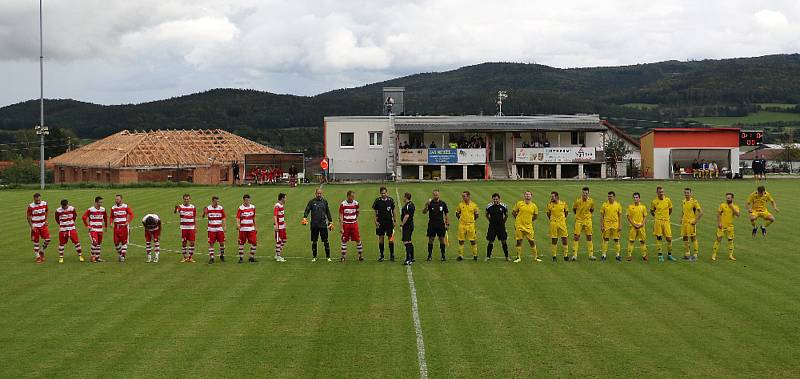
(557, 212)
(725, 214)
(636, 215)
(757, 207)
(661, 209)
(467, 213)
(583, 207)
(691, 214)
(610, 225)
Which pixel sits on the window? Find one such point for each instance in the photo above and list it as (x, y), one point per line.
(346, 140)
(578, 138)
(375, 139)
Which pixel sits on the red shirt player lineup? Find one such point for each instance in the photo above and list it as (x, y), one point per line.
(37, 214)
(96, 219)
(349, 213)
(66, 230)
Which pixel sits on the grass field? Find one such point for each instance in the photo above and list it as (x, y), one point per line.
(751, 119)
(478, 319)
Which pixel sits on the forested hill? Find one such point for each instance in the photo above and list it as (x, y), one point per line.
(670, 90)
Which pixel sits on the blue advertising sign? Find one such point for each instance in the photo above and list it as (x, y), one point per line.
(442, 156)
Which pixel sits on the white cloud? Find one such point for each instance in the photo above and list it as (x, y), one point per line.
(119, 51)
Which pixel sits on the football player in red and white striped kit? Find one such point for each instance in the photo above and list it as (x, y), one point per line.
(348, 218)
(279, 224)
(216, 228)
(96, 220)
(152, 235)
(37, 220)
(246, 223)
(121, 216)
(66, 216)
(188, 214)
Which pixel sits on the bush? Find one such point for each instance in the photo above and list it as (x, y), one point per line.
(24, 171)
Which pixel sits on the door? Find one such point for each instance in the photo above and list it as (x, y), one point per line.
(498, 148)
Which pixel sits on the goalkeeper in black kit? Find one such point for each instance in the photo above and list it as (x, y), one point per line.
(321, 223)
(497, 214)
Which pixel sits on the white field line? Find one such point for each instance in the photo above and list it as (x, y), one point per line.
(423, 366)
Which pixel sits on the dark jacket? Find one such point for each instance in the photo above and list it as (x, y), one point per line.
(320, 213)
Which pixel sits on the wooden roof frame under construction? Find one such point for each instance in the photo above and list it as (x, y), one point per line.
(163, 149)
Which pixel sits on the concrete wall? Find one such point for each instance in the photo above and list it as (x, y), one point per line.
(361, 159)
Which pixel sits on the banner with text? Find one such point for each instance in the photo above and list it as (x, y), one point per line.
(414, 156)
(442, 156)
(471, 155)
(555, 155)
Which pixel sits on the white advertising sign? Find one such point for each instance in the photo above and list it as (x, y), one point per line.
(471, 155)
(555, 155)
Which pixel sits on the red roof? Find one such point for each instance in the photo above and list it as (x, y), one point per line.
(691, 130)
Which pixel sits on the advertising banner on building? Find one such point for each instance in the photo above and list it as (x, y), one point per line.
(413, 156)
(442, 156)
(555, 155)
(471, 155)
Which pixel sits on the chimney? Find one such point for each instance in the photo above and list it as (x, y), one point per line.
(393, 101)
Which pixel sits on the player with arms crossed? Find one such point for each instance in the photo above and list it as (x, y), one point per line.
(216, 228)
(66, 216)
(525, 213)
(321, 223)
(610, 225)
(188, 215)
(407, 227)
(583, 207)
(661, 209)
(37, 220)
(152, 235)
(437, 223)
(384, 221)
(725, 215)
(279, 225)
(96, 220)
(637, 215)
(121, 216)
(691, 214)
(348, 219)
(246, 224)
(757, 208)
(557, 211)
(497, 214)
(467, 213)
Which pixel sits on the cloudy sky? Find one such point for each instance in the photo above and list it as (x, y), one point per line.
(123, 51)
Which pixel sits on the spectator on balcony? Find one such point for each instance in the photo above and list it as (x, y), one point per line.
(546, 143)
(432, 145)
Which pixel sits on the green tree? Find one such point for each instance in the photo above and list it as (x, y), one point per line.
(21, 172)
(615, 150)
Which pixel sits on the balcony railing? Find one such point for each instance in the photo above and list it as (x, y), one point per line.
(558, 155)
(441, 156)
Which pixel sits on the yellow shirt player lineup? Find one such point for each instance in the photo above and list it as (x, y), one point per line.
(725, 215)
(637, 215)
(583, 207)
(525, 212)
(557, 211)
(757, 208)
(661, 209)
(467, 213)
(610, 225)
(691, 213)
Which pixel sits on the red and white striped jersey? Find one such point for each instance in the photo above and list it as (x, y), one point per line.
(187, 213)
(38, 214)
(349, 212)
(215, 215)
(247, 218)
(95, 219)
(156, 226)
(279, 213)
(66, 218)
(120, 214)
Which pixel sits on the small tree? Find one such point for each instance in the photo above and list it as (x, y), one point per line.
(791, 152)
(21, 172)
(615, 150)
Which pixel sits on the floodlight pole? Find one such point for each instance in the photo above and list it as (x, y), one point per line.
(42, 131)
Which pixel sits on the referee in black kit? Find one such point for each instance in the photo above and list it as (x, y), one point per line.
(497, 214)
(437, 223)
(407, 224)
(384, 222)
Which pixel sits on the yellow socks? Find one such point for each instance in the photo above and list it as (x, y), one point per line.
(535, 251)
(630, 248)
(474, 250)
(590, 248)
(686, 251)
(604, 247)
(617, 247)
(696, 247)
(461, 251)
(519, 251)
(554, 249)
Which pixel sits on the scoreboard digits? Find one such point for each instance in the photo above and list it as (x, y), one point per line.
(751, 138)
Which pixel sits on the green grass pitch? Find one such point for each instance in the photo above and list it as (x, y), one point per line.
(478, 319)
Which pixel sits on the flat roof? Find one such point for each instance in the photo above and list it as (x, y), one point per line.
(690, 130)
(588, 122)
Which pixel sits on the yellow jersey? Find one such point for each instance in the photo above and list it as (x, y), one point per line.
(466, 212)
(661, 208)
(525, 213)
(611, 214)
(556, 211)
(637, 213)
(759, 202)
(583, 209)
(726, 214)
(690, 208)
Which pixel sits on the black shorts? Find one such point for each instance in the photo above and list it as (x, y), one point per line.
(385, 228)
(436, 231)
(498, 232)
(322, 233)
(408, 230)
